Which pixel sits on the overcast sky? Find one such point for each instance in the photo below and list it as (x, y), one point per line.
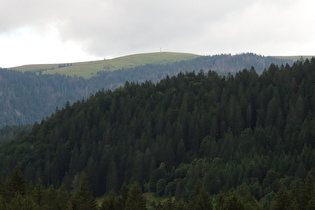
(54, 31)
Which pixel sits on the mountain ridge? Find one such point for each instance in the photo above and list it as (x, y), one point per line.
(88, 69)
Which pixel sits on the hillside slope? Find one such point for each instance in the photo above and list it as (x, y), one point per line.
(246, 131)
(90, 68)
(28, 97)
(223, 62)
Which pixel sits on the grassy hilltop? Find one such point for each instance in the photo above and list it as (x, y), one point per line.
(90, 68)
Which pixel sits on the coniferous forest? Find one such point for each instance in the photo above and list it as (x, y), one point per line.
(31, 96)
(199, 139)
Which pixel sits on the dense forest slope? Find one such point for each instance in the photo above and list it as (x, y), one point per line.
(249, 132)
(28, 97)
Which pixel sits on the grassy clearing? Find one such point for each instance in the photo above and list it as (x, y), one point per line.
(90, 68)
(150, 198)
(99, 200)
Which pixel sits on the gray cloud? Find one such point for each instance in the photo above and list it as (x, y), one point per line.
(114, 27)
(146, 25)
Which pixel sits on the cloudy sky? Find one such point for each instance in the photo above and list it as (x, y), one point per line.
(54, 31)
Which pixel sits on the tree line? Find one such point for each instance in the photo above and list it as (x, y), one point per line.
(15, 194)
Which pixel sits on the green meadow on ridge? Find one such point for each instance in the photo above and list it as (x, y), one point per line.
(89, 68)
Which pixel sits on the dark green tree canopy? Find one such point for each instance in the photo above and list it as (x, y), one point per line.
(241, 131)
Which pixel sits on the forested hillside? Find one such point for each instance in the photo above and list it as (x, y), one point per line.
(247, 133)
(8, 133)
(26, 97)
(29, 97)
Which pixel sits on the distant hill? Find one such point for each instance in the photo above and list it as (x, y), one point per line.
(29, 96)
(90, 68)
(223, 62)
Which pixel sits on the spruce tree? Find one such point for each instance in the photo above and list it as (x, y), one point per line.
(135, 200)
(82, 198)
(15, 184)
(200, 199)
